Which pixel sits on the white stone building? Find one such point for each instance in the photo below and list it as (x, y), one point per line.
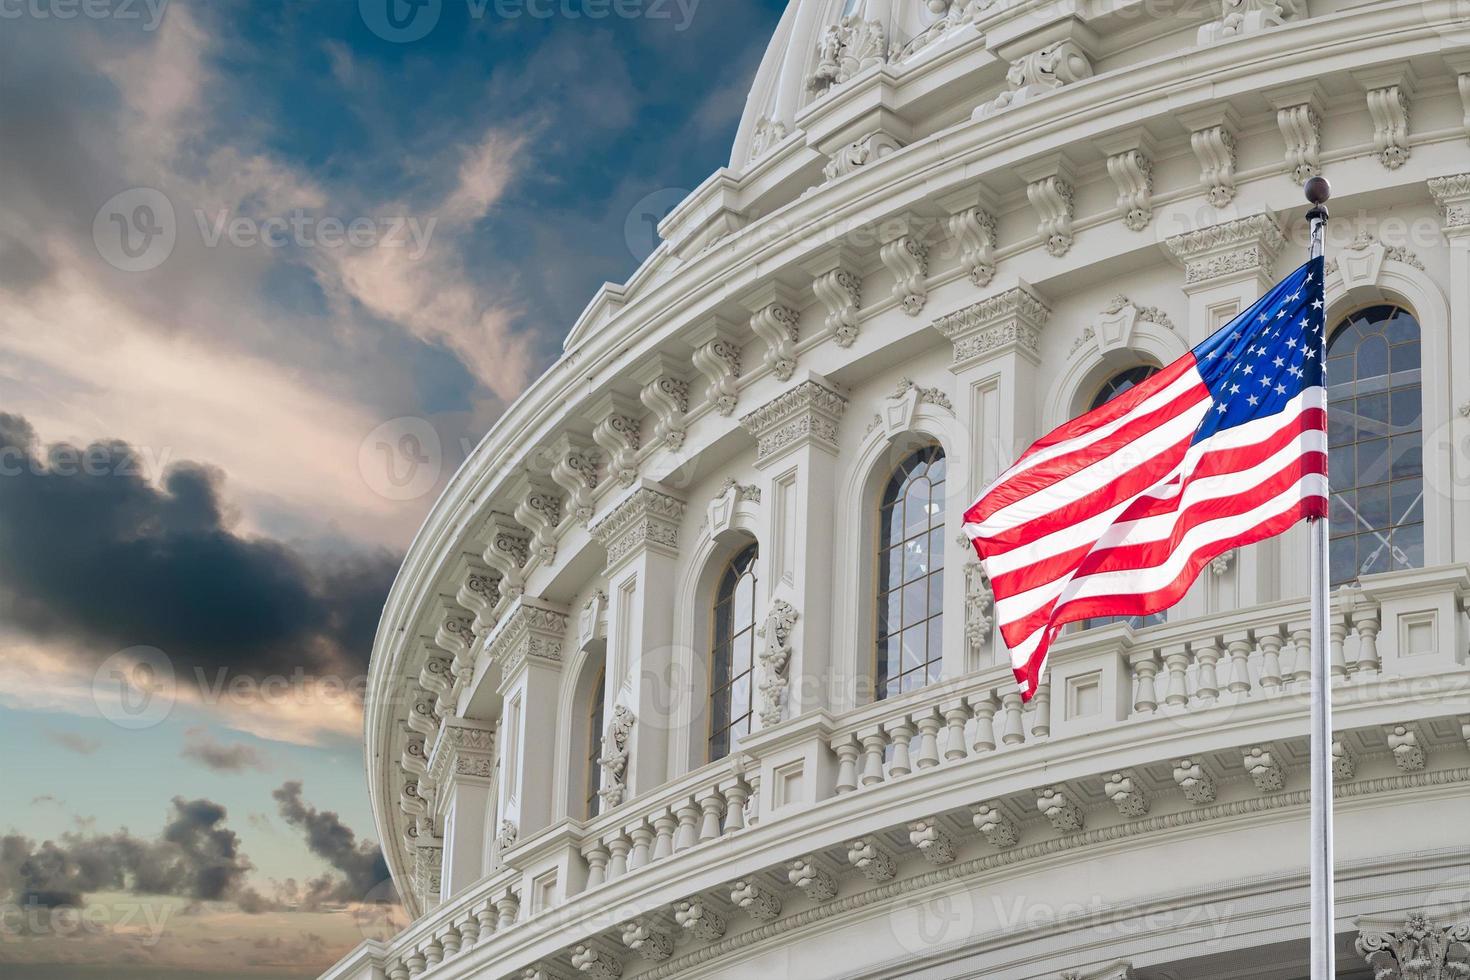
(690, 672)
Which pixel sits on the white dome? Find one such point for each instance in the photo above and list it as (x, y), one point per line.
(820, 44)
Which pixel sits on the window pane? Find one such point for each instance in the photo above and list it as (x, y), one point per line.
(915, 602)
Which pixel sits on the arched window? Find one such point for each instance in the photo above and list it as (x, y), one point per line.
(732, 676)
(595, 722)
(1375, 440)
(911, 574)
(1112, 388)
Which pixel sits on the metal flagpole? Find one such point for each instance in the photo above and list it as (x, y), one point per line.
(1323, 919)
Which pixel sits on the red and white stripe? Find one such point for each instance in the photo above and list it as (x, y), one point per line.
(1117, 512)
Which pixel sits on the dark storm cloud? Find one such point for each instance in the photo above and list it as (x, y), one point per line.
(221, 756)
(361, 862)
(195, 857)
(91, 551)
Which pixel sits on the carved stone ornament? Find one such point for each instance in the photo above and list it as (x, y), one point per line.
(1060, 810)
(841, 292)
(1420, 949)
(574, 469)
(508, 835)
(648, 518)
(1238, 17)
(595, 963)
(1452, 195)
(1127, 794)
(997, 828)
(530, 631)
(768, 133)
(1133, 175)
(614, 757)
(932, 840)
(775, 660)
(719, 361)
(776, 324)
(1011, 320)
(808, 412)
(979, 601)
(1195, 781)
(699, 920)
(815, 883)
(1247, 245)
(907, 258)
(617, 433)
(871, 859)
(647, 940)
(859, 153)
(957, 14)
(1040, 72)
(974, 229)
(752, 897)
(1220, 564)
(847, 48)
(742, 491)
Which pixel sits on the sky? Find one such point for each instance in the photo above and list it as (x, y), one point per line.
(269, 269)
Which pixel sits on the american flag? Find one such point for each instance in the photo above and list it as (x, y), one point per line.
(1116, 512)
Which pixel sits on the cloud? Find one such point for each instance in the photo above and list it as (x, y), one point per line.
(364, 871)
(196, 857)
(219, 756)
(91, 552)
(74, 742)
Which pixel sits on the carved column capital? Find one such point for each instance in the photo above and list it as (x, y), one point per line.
(647, 518)
(1007, 322)
(463, 749)
(1452, 196)
(1247, 245)
(533, 631)
(807, 414)
(1417, 948)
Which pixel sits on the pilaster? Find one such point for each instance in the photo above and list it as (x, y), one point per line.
(1452, 196)
(641, 537)
(527, 647)
(796, 440)
(463, 766)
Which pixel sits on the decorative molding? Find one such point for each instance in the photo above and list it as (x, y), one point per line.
(1127, 794)
(616, 430)
(871, 859)
(1265, 769)
(847, 48)
(1051, 198)
(997, 828)
(768, 133)
(1388, 104)
(1195, 781)
(592, 623)
(775, 660)
(462, 749)
(480, 594)
(813, 882)
(614, 756)
(840, 290)
(1133, 175)
(1220, 564)
(1301, 130)
(718, 359)
(1060, 810)
(979, 601)
(667, 397)
(574, 469)
(508, 552)
(1038, 73)
(533, 630)
(907, 259)
(1238, 17)
(750, 896)
(933, 841)
(859, 153)
(742, 491)
(776, 325)
(974, 229)
(698, 919)
(1344, 763)
(1009, 321)
(647, 940)
(806, 414)
(1407, 747)
(1452, 196)
(1245, 245)
(597, 964)
(645, 519)
(1420, 949)
(539, 510)
(1212, 138)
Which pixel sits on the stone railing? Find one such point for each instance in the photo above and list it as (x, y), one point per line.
(1232, 684)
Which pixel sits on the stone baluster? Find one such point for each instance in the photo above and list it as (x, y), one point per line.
(1269, 640)
(415, 962)
(1339, 632)
(718, 812)
(848, 752)
(1012, 733)
(1041, 711)
(874, 744)
(1207, 681)
(450, 939)
(736, 795)
(469, 930)
(664, 826)
(507, 910)
(1239, 646)
(984, 708)
(928, 722)
(642, 852)
(1146, 692)
(688, 812)
(900, 733)
(1301, 666)
(596, 855)
(618, 847)
(1176, 661)
(1367, 627)
(955, 717)
(433, 954)
(485, 916)
(398, 971)
(751, 799)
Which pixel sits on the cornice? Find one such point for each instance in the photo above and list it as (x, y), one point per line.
(1245, 245)
(807, 414)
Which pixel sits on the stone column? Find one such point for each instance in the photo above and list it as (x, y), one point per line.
(527, 646)
(463, 765)
(1452, 195)
(996, 354)
(796, 453)
(641, 536)
(1227, 267)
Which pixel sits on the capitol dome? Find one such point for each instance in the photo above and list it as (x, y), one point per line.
(691, 671)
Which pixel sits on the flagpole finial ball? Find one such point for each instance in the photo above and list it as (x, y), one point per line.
(1318, 190)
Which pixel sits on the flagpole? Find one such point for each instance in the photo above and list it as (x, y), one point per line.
(1323, 918)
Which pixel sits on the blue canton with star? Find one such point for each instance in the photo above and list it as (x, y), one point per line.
(1264, 357)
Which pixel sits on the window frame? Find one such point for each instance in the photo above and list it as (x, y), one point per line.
(880, 593)
(726, 646)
